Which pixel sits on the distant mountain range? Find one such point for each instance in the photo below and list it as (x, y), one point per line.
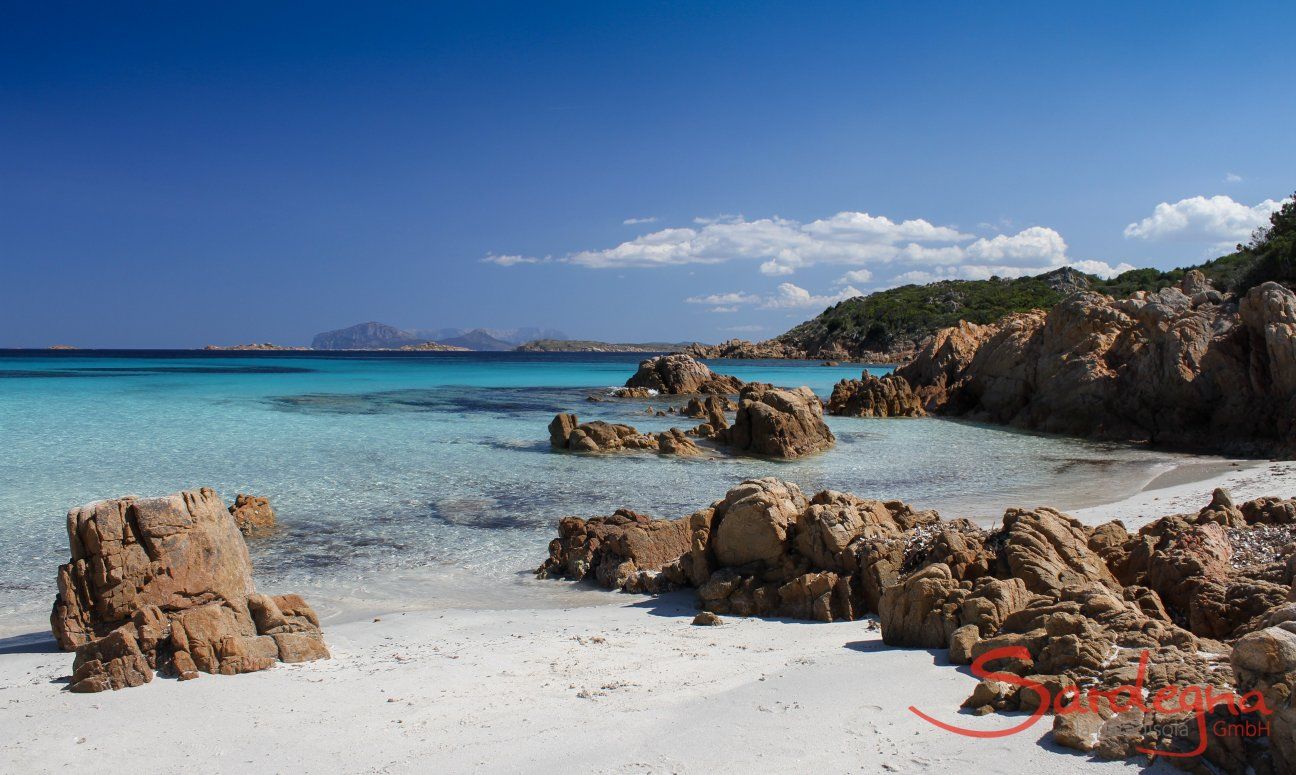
(380, 336)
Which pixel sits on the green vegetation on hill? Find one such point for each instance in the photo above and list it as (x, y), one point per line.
(1273, 250)
(901, 318)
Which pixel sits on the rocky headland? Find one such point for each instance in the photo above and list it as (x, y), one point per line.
(1185, 367)
(1192, 600)
(165, 584)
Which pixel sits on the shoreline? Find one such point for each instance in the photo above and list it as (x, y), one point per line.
(600, 678)
(1185, 486)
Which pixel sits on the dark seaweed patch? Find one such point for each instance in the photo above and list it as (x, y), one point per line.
(511, 402)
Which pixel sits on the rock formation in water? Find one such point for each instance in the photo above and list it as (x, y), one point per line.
(871, 396)
(1192, 600)
(1183, 367)
(253, 515)
(681, 375)
(166, 584)
(777, 422)
(712, 411)
(568, 433)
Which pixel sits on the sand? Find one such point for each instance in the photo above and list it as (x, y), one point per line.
(625, 685)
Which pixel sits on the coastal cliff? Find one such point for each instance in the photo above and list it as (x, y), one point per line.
(1183, 367)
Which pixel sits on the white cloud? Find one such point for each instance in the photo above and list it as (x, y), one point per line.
(1232, 177)
(879, 252)
(781, 245)
(513, 260)
(789, 296)
(1217, 219)
(773, 268)
(879, 249)
(736, 297)
(786, 296)
(637, 221)
(854, 276)
(868, 228)
(1101, 268)
(1036, 246)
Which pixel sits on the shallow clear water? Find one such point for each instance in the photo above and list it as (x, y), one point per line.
(427, 479)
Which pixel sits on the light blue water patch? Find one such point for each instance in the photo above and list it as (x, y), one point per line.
(433, 462)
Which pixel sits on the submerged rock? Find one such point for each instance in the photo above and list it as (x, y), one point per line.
(166, 584)
(568, 433)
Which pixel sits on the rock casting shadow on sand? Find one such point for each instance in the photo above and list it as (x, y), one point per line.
(31, 643)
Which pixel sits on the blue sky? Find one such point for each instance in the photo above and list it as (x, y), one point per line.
(179, 174)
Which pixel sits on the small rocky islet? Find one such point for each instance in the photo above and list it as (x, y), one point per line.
(768, 421)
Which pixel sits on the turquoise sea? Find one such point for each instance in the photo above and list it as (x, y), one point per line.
(426, 479)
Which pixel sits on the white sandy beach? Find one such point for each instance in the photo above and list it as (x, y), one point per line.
(629, 685)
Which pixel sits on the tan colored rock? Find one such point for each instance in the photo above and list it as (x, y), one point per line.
(166, 581)
(111, 662)
(834, 520)
(743, 349)
(941, 363)
(961, 643)
(175, 552)
(871, 396)
(754, 520)
(1165, 367)
(566, 432)
(774, 422)
(676, 442)
(1049, 550)
(921, 611)
(711, 409)
(1078, 730)
(253, 515)
(560, 429)
(626, 551)
(1265, 661)
(681, 374)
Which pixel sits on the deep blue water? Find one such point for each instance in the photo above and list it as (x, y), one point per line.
(437, 465)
